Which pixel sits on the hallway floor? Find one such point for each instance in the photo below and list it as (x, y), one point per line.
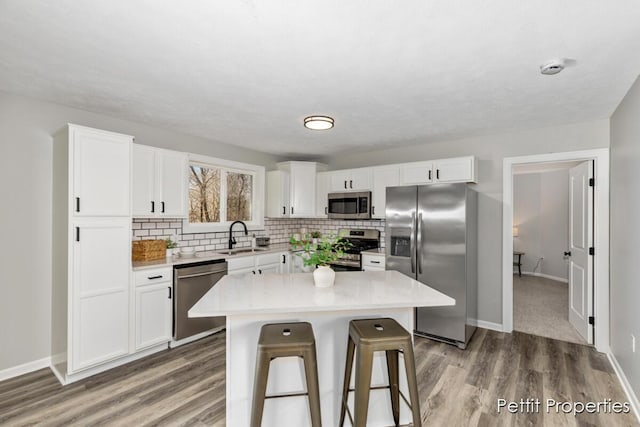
(541, 307)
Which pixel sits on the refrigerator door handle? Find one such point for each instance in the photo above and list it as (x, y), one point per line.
(412, 241)
(420, 243)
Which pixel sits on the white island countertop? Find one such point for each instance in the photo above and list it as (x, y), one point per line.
(295, 293)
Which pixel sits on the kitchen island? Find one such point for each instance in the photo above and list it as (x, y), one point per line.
(249, 301)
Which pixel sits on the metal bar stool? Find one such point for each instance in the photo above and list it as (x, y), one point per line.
(369, 336)
(284, 340)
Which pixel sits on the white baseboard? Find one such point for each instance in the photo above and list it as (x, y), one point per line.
(25, 368)
(546, 276)
(633, 399)
(485, 325)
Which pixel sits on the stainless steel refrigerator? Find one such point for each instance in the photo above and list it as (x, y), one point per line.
(431, 235)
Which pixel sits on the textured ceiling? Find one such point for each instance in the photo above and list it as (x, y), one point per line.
(390, 73)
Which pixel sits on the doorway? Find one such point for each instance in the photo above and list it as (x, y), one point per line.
(544, 302)
(600, 238)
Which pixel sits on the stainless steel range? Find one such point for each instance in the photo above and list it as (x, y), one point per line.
(361, 240)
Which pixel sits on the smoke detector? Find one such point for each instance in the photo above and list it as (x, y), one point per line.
(552, 67)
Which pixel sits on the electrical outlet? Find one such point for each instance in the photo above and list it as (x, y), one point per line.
(633, 343)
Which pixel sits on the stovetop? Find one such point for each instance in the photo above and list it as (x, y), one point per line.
(362, 240)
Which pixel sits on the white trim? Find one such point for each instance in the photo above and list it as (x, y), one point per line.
(626, 386)
(25, 368)
(546, 276)
(485, 325)
(601, 236)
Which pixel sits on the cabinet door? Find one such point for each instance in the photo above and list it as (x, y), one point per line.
(171, 184)
(144, 177)
(101, 172)
(100, 291)
(459, 169)
(277, 197)
(322, 193)
(416, 173)
(383, 177)
(339, 180)
(360, 179)
(303, 190)
(153, 314)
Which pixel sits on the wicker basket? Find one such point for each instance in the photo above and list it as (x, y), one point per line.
(148, 250)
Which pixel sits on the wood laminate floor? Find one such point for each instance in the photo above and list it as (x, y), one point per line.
(186, 386)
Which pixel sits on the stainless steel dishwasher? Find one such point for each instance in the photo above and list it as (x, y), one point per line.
(190, 282)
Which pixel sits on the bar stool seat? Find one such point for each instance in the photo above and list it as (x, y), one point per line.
(368, 336)
(285, 340)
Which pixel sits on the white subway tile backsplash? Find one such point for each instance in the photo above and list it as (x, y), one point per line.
(148, 225)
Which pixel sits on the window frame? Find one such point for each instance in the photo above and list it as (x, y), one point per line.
(257, 199)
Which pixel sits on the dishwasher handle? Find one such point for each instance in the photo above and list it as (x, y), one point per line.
(206, 273)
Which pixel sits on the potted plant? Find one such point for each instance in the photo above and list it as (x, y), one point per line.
(315, 235)
(171, 245)
(328, 249)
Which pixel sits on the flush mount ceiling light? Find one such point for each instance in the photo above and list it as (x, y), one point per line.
(552, 67)
(318, 122)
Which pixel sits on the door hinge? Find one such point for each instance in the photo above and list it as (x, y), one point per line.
(592, 320)
(592, 182)
(592, 250)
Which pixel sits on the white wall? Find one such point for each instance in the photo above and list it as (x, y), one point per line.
(625, 234)
(541, 212)
(490, 150)
(25, 190)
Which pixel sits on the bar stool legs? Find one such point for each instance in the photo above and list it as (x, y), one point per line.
(284, 340)
(366, 336)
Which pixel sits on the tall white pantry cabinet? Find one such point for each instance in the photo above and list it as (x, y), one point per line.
(91, 249)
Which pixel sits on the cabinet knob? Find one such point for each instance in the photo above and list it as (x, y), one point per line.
(284, 210)
(169, 292)
(345, 184)
(429, 175)
(153, 206)
(77, 204)
(162, 206)
(437, 173)
(350, 184)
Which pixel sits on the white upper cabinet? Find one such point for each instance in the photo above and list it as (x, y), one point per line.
(416, 173)
(159, 182)
(459, 169)
(291, 190)
(101, 172)
(277, 197)
(322, 194)
(350, 180)
(383, 177)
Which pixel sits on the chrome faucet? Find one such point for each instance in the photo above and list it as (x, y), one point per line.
(232, 240)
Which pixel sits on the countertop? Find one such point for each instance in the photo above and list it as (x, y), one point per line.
(295, 292)
(206, 256)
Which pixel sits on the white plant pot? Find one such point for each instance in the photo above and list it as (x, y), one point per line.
(169, 253)
(324, 276)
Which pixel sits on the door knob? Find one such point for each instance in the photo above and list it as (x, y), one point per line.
(567, 253)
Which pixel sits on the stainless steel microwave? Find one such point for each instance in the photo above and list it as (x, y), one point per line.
(350, 205)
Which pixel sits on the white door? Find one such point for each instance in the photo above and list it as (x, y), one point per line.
(303, 190)
(100, 294)
(580, 239)
(360, 179)
(172, 183)
(322, 194)
(101, 172)
(339, 180)
(144, 177)
(154, 314)
(416, 173)
(383, 177)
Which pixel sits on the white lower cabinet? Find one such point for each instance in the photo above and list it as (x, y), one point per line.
(100, 291)
(373, 261)
(275, 262)
(153, 307)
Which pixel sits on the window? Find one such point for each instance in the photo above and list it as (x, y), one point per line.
(220, 192)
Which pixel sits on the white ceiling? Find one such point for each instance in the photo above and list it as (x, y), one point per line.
(390, 73)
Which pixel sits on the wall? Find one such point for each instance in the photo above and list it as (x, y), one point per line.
(25, 187)
(625, 234)
(279, 230)
(490, 151)
(541, 212)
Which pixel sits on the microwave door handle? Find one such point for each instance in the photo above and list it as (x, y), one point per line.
(420, 243)
(412, 243)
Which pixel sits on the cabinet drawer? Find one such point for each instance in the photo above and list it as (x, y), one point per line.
(265, 259)
(238, 263)
(152, 276)
(373, 261)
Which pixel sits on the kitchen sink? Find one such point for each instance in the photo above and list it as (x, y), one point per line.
(243, 251)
